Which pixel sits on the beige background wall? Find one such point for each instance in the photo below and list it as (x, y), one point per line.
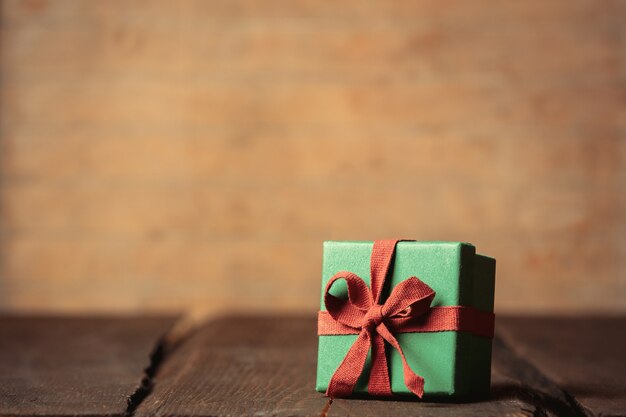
(195, 154)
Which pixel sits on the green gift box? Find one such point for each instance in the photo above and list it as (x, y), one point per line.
(452, 362)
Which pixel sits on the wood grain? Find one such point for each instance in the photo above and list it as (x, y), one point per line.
(74, 366)
(159, 155)
(583, 355)
(240, 366)
(265, 365)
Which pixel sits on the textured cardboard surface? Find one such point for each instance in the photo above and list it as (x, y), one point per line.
(452, 363)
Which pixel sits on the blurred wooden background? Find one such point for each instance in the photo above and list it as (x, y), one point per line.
(195, 154)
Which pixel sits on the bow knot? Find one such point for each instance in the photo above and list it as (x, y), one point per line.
(363, 312)
(373, 317)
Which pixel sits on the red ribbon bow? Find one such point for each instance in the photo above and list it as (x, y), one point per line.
(364, 313)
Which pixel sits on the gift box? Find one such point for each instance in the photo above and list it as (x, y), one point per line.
(444, 336)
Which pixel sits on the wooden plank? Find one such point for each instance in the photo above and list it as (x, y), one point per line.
(266, 366)
(75, 366)
(194, 157)
(385, 46)
(310, 105)
(585, 356)
(122, 211)
(142, 269)
(240, 366)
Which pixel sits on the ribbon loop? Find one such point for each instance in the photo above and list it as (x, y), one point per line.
(364, 312)
(411, 297)
(349, 312)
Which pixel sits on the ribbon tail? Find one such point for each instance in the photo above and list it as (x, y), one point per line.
(347, 374)
(379, 384)
(414, 382)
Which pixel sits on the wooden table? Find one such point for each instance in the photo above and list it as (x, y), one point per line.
(265, 366)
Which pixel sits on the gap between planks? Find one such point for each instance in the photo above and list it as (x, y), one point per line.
(536, 388)
(326, 408)
(180, 331)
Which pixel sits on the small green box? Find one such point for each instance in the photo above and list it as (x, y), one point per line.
(452, 363)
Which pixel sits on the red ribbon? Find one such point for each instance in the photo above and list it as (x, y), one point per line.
(407, 309)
